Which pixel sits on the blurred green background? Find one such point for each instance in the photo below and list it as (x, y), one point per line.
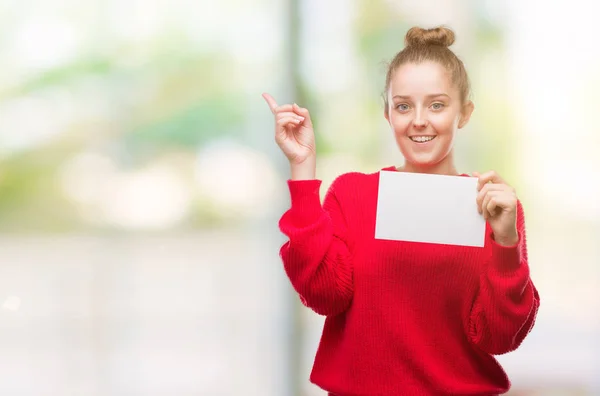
(140, 184)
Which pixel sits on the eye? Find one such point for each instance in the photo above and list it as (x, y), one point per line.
(437, 106)
(403, 107)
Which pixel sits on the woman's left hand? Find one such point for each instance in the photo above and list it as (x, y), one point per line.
(497, 202)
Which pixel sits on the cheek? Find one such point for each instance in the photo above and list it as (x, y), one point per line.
(444, 123)
(400, 124)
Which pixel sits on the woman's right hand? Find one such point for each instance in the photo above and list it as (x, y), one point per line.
(293, 131)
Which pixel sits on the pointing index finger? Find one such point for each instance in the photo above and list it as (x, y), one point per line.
(270, 101)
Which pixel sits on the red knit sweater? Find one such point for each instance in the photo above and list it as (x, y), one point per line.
(402, 318)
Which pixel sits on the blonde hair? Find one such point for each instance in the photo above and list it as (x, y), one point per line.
(422, 45)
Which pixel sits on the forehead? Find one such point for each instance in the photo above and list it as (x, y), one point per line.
(426, 78)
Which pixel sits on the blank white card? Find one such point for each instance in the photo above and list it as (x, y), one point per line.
(418, 207)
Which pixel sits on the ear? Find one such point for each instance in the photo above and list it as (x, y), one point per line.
(386, 106)
(465, 114)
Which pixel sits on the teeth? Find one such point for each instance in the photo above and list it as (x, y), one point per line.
(421, 139)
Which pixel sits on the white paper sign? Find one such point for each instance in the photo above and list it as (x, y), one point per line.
(428, 208)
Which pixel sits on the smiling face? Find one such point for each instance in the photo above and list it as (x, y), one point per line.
(424, 111)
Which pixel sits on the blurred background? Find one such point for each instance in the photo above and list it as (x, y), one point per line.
(140, 184)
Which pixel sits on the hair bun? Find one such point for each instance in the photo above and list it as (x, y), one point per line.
(417, 36)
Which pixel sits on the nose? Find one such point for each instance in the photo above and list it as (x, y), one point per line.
(419, 121)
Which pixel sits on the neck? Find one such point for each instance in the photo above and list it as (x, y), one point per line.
(445, 167)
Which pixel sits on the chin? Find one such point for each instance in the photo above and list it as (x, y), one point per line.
(426, 161)
(422, 160)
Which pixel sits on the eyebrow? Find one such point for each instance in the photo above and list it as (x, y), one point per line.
(428, 96)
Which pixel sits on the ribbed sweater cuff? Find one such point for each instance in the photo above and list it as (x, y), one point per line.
(305, 193)
(305, 199)
(506, 259)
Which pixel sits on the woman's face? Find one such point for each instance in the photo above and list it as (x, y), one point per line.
(425, 110)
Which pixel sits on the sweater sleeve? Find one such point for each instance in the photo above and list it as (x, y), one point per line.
(505, 309)
(316, 256)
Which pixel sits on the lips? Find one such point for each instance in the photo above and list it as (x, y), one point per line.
(422, 139)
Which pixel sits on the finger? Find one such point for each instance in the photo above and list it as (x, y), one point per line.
(284, 108)
(491, 205)
(270, 101)
(288, 114)
(495, 200)
(491, 187)
(304, 113)
(285, 121)
(485, 205)
(505, 200)
(488, 177)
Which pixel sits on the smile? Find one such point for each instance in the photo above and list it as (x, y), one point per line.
(421, 139)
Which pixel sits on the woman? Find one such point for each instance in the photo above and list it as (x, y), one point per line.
(405, 318)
